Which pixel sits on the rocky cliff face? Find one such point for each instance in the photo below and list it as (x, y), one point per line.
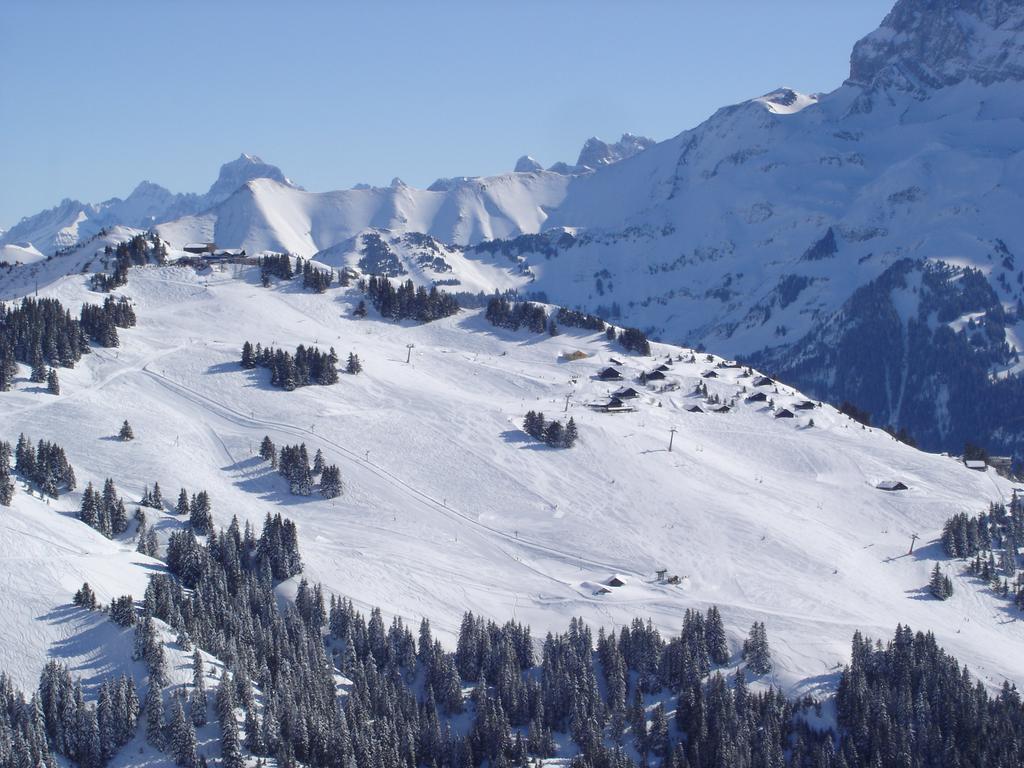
(928, 44)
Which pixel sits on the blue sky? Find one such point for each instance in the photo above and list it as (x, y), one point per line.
(95, 97)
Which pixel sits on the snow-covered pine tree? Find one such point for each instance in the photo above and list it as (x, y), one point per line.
(155, 716)
(331, 485)
(197, 697)
(755, 650)
(126, 432)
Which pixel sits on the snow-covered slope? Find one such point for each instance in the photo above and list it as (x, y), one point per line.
(450, 506)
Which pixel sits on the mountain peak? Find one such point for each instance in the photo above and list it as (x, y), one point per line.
(597, 153)
(928, 44)
(237, 173)
(527, 164)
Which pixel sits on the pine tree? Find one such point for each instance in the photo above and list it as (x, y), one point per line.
(183, 737)
(6, 484)
(940, 585)
(553, 434)
(714, 631)
(197, 698)
(126, 432)
(353, 366)
(52, 382)
(755, 650)
(230, 748)
(318, 462)
(155, 716)
(85, 597)
(38, 375)
(570, 434)
(182, 507)
(331, 485)
(268, 452)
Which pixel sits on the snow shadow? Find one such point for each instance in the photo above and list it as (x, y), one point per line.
(515, 436)
(265, 483)
(95, 640)
(226, 367)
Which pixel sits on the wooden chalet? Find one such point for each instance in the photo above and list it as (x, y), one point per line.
(783, 413)
(891, 485)
(609, 374)
(757, 397)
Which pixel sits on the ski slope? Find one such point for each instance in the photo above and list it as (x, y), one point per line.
(451, 507)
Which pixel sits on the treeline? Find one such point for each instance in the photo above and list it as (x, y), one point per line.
(307, 366)
(407, 302)
(550, 433)
(991, 541)
(139, 250)
(293, 465)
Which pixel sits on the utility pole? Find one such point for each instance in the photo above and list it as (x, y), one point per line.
(913, 538)
(671, 437)
(408, 353)
(566, 409)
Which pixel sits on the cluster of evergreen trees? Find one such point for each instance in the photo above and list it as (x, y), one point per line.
(992, 541)
(575, 319)
(503, 312)
(88, 734)
(277, 265)
(38, 332)
(293, 465)
(550, 432)
(908, 703)
(100, 324)
(198, 510)
(104, 511)
(307, 366)
(139, 250)
(631, 339)
(407, 302)
(44, 464)
(318, 280)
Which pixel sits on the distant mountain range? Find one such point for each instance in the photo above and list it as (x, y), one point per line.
(861, 242)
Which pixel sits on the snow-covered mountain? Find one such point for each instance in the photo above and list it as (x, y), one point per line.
(71, 222)
(751, 233)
